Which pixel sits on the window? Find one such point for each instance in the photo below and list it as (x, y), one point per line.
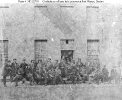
(67, 41)
(92, 47)
(93, 52)
(3, 50)
(40, 49)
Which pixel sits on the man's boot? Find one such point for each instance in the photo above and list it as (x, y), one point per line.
(4, 81)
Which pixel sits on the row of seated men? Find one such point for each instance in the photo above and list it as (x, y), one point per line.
(55, 73)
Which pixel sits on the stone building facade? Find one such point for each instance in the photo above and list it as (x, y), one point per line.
(91, 32)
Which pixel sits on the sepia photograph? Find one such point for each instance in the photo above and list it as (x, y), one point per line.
(60, 50)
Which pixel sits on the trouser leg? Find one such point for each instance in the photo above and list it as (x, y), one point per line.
(16, 79)
(31, 80)
(23, 80)
(61, 79)
(57, 80)
(73, 79)
(45, 81)
(24, 77)
(89, 79)
(11, 78)
(97, 79)
(16, 83)
(64, 81)
(54, 80)
(4, 80)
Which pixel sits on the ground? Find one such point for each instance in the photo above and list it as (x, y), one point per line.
(61, 92)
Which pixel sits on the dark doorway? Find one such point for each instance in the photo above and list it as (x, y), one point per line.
(67, 55)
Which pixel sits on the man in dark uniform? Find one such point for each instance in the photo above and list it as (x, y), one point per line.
(14, 69)
(22, 73)
(29, 74)
(49, 64)
(56, 64)
(6, 71)
(73, 74)
(57, 76)
(114, 76)
(79, 63)
(105, 74)
(48, 67)
(45, 75)
(32, 65)
(24, 68)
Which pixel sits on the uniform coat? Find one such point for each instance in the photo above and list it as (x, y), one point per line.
(14, 69)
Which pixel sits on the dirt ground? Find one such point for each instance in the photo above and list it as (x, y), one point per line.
(61, 92)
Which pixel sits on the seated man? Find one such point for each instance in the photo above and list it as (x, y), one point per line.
(73, 73)
(84, 74)
(18, 77)
(22, 73)
(79, 63)
(29, 73)
(57, 77)
(95, 76)
(51, 75)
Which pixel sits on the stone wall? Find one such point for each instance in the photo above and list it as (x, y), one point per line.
(25, 23)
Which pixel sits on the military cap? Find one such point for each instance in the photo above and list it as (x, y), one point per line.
(32, 60)
(24, 59)
(56, 60)
(39, 60)
(9, 60)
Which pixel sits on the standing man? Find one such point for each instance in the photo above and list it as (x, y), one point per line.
(79, 63)
(105, 74)
(73, 73)
(24, 68)
(39, 66)
(49, 64)
(32, 65)
(56, 64)
(14, 68)
(114, 77)
(6, 71)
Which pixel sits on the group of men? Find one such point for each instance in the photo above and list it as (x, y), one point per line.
(14, 70)
(53, 73)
